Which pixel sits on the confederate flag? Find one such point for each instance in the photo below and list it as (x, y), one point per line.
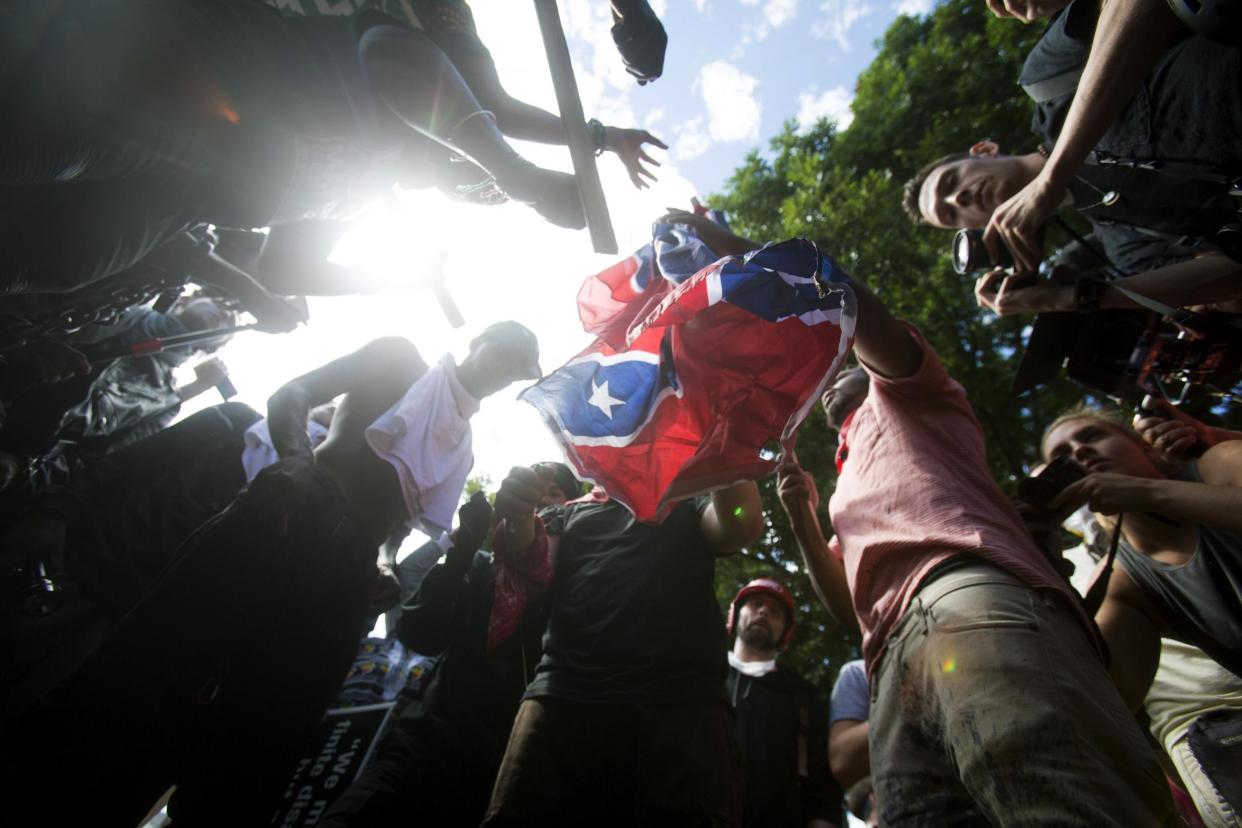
(692, 375)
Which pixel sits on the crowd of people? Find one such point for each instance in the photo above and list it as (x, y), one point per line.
(185, 600)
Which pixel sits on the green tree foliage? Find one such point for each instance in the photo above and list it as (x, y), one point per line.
(938, 84)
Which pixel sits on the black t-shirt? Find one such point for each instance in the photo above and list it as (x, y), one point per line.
(633, 618)
(781, 722)
(1188, 111)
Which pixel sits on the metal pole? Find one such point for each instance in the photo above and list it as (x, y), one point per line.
(603, 240)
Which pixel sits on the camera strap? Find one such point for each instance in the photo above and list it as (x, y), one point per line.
(1231, 180)
(1179, 316)
(1099, 588)
(1042, 91)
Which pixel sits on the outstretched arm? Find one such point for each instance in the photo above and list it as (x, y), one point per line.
(525, 122)
(1130, 36)
(378, 372)
(1200, 281)
(1132, 632)
(881, 341)
(800, 498)
(849, 751)
(1216, 502)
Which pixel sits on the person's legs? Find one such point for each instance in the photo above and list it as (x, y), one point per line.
(911, 772)
(689, 772)
(414, 79)
(567, 764)
(1213, 806)
(1005, 679)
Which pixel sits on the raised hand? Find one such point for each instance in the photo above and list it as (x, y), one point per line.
(628, 145)
(1005, 294)
(1016, 223)
(1173, 433)
(1025, 10)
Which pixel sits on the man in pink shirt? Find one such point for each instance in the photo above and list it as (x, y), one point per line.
(990, 695)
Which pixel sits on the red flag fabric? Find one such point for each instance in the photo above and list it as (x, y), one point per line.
(710, 372)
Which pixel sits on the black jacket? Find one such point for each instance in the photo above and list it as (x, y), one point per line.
(782, 736)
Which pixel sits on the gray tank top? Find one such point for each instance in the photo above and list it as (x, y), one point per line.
(1201, 600)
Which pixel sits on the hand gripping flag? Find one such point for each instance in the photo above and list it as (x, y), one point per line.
(687, 382)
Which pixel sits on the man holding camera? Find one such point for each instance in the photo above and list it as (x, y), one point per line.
(1156, 181)
(975, 645)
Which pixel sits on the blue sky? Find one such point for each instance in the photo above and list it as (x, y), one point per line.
(737, 69)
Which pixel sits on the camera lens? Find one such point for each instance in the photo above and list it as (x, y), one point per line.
(961, 252)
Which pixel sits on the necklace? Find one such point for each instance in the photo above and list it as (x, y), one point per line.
(1107, 198)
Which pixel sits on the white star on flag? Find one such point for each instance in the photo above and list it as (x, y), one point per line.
(601, 400)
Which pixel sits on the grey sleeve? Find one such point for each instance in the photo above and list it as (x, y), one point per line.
(851, 695)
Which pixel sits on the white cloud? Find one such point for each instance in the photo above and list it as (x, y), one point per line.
(776, 13)
(691, 140)
(914, 8)
(733, 110)
(700, 6)
(838, 16)
(831, 103)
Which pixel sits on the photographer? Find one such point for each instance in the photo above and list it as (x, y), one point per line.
(1177, 569)
(1178, 555)
(1151, 165)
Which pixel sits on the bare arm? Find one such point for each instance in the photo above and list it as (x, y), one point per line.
(849, 753)
(1130, 628)
(514, 118)
(1200, 281)
(880, 340)
(800, 498)
(734, 518)
(518, 119)
(1130, 36)
(382, 369)
(1216, 502)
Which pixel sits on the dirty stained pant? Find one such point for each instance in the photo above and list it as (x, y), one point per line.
(991, 707)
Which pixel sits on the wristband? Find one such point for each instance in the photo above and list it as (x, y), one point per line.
(597, 135)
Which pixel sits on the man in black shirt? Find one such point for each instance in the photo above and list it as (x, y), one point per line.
(782, 730)
(441, 757)
(626, 720)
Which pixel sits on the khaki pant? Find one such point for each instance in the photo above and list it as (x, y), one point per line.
(990, 706)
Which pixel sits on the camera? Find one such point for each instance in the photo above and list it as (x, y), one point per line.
(970, 255)
(1041, 489)
(1126, 354)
